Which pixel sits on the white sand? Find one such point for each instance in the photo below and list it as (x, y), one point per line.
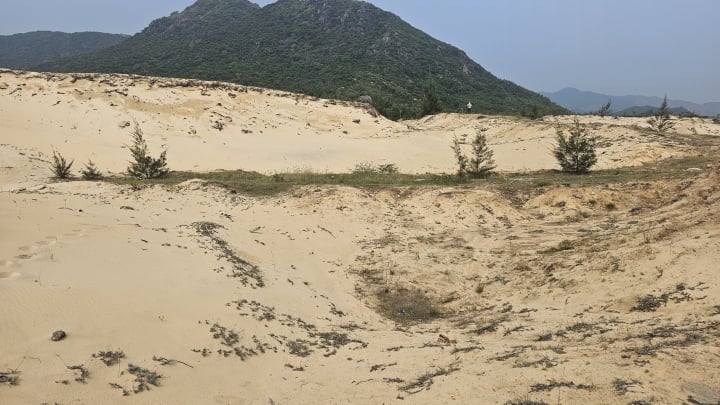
(124, 269)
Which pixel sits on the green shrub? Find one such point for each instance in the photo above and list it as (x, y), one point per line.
(60, 167)
(460, 159)
(481, 162)
(405, 305)
(91, 171)
(370, 168)
(605, 109)
(388, 168)
(661, 121)
(142, 165)
(576, 152)
(562, 246)
(364, 168)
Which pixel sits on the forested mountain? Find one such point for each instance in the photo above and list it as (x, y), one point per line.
(25, 51)
(327, 48)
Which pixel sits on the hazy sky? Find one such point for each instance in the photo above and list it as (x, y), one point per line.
(617, 47)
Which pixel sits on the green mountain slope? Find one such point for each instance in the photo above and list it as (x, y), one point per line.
(648, 111)
(25, 51)
(327, 48)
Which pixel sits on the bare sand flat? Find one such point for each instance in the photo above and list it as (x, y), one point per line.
(604, 293)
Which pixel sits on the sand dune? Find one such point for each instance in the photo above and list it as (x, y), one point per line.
(85, 117)
(237, 299)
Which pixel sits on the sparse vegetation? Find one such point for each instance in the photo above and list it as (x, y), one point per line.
(491, 326)
(388, 168)
(525, 401)
(60, 167)
(552, 384)
(510, 185)
(81, 373)
(142, 165)
(424, 381)
(371, 168)
(91, 172)
(576, 152)
(10, 377)
(606, 109)
(110, 357)
(622, 387)
(580, 327)
(144, 378)
(661, 121)
(406, 305)
(650, 303)
(562, 246)
(242, 270)
(298, 347)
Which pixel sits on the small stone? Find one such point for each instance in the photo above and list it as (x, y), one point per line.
(58, 335)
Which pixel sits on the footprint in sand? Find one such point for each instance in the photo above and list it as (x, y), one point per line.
(9, 275)
(6, 263)
(49, 240)
(75, 232)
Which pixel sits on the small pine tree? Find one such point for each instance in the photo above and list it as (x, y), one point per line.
(576, 152)
(481, 162)
(60, 167)
(142, 165)
(534, 113)
(460, 158)
(661, 121)
(606, 109)
(431, 103)
(91, 172)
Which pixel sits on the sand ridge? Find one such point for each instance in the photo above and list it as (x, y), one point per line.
(87, 116)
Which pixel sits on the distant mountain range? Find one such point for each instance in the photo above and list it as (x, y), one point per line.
(586, 101)
(341, 49)
(28, 50)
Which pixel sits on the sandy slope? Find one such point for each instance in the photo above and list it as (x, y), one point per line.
(272, 299)
(83, 117)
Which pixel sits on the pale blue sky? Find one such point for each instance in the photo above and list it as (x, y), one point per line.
(617, 47)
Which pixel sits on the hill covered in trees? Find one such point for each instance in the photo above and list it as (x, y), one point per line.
(28, 50)
(339, 49)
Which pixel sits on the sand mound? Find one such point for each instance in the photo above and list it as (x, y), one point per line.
(210, 126)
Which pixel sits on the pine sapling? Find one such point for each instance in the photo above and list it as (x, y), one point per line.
(460, 158)
(60, 167)
(142, 165)
(91, 172)
(481, 162)
(576, 152)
